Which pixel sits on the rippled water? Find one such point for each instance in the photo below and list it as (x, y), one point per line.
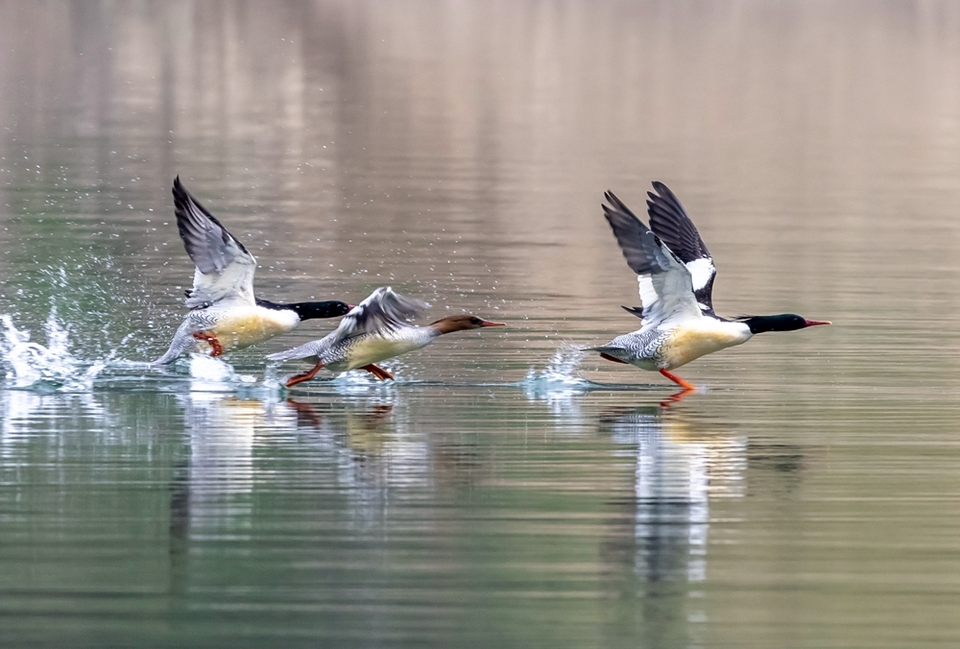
(507, 489)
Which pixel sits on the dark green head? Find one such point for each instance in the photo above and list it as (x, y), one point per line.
(311, 310)
(784, 322)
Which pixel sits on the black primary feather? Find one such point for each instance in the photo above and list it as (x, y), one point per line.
(670, 222)
(639, 245)
(206, 241)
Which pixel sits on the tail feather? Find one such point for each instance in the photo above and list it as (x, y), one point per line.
(182, 342)
(603, 349)
(613, 358)
(303, 351)
(171, 355)
(608, 352)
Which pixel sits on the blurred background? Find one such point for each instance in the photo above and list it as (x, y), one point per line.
(512, 491)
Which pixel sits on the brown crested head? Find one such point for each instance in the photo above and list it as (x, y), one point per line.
(462, 323)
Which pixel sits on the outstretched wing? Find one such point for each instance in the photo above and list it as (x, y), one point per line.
(670, 222)
(224, 267)
(383, 309)
(666, 290)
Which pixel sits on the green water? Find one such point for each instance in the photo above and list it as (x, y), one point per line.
(506, 490)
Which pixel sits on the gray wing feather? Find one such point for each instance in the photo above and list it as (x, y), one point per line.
(383, 309)
(307, 350)
(224, 267)
(670, 222)
(642, 249)
(665, 284)
(381, 312)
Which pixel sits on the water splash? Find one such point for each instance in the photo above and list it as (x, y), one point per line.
(88, 291)
(208, 374)
(46, 368)
(558, 380)
(359, 382)
(271, 381)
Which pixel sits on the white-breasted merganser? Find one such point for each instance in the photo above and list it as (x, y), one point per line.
(675, 273)
(224, 314)
(375, 330)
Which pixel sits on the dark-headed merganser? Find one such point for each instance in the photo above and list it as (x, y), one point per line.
(224, 314)
(676, 274)
(375, 330)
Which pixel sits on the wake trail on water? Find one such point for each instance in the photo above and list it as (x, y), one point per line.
(560, 378)
(56, 367)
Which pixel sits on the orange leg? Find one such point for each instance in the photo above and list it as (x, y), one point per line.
(213, 342)
(676, 379)
(306, 376)
(378, 372)
(611, 358)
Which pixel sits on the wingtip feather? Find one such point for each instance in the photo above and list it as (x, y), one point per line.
(180, 193)
(618, 205)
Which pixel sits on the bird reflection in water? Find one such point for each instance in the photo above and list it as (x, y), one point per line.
(380, 459)
(677, 397)
(212, 486)
(212, 492)
(24, 415)
(364, 432)
(682, 463)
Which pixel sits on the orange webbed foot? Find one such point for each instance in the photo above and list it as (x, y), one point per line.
(212, 340)
(306, 376)
(378, 372)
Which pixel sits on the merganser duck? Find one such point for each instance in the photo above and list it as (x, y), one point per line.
(676, 274)
(375, 330)
(224, 314)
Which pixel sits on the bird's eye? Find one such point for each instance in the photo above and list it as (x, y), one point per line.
(475, 321)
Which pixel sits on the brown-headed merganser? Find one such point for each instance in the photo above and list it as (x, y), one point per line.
(375, 330)
(224, 313)
(676, 274)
